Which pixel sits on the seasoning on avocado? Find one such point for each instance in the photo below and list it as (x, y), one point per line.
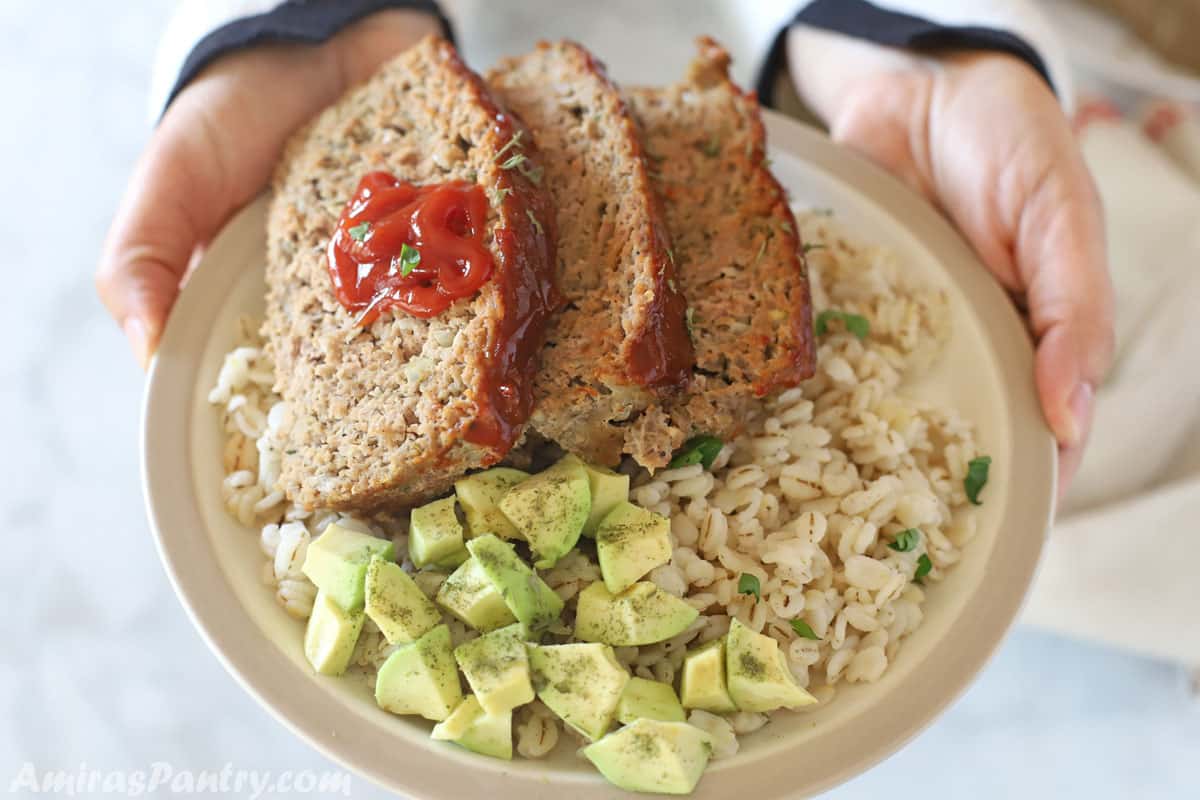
(905, 540)
(977, 477)
(697, 450)
(748, 584)
(856, 324)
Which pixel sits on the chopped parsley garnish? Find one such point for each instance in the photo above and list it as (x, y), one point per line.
(410, 257)
(359, 232)
(923, 567)
(690, 318)
(534, 175)
(511, 143)
(804, 630)
(905, 540)
(762, 249)
(671, 254)
(534, 220)
(748, 584)
(712, 148)
(513, 161)
(977, 477)
(808, 247)
(697, 450)
(856, 324)
(499, 193)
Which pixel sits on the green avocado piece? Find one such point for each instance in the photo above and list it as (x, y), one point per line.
(480, 732)
(496, 666)
(330, 636)
(529, 599)
(642, 614)
(479, 495)
(607, 489)
(435, 536)
(758, 674)
(581, 683)
(470, 595)
(703, 683)
(337, 563)
(630, 542)
(653, 756)
(550, 509)
(649, 699)
(396, 604)
(420, 678)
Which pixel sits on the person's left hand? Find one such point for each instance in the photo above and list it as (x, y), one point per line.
(983, 137)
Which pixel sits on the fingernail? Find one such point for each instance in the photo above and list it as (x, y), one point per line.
(135, 332)
(1079, 406)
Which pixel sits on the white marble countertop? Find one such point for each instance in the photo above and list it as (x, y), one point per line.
(99, 664)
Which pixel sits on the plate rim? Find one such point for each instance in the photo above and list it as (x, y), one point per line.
(191, 577)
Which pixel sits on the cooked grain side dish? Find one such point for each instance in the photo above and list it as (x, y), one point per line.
(685, 539)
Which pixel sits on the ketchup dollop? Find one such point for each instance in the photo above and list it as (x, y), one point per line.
(415, 248)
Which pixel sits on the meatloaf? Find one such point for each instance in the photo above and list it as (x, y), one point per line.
(622, 339)
(394, 412)
(738, 254)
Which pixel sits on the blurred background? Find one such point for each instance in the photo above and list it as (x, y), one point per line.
(100, 665)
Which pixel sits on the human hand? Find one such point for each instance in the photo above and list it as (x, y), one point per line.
(214, 151)
(982, 136)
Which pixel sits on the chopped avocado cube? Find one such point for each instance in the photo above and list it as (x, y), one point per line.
(703, 683)
(549, 509)
(435, 536)
(396, 604)
(420, 678)
(528, 597)
(642, 614)
(337, 563)
(630, 542)
(649, 699)
(496, 666)
(653, 756)
(478, 731)
(331, 635)
(582, 683)
(607, 489)
(479, 495)
(470, 595)
(758, 675)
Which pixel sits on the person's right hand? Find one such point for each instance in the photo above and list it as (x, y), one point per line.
(214, 151)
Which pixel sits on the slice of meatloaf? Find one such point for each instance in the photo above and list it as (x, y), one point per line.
(739, 258)
(391, 413)
(622, 337)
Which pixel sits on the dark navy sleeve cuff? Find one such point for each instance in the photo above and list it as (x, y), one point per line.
(295, 21)
(864, 20)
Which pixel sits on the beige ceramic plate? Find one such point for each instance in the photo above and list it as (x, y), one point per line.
(987, 373)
